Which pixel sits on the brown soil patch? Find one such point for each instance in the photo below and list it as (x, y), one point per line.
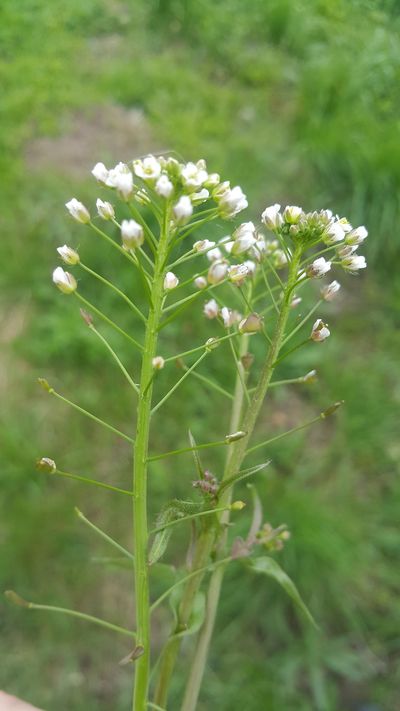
(108, 133)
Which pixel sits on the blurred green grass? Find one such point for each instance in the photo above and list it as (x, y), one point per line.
(297, 102)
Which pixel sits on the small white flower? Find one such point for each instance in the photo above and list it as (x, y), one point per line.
(292, 214)
(232, 201)
(211, 309)
(272, 218)
(158, 362)
(230, 317)
(212, 181)
(199, 197)
(214, 254)
(334, 233)
(295, 301)
(346, 251)
(200, 282)
(203, 245)
(238, 273)
(357, 236)
(124, 184)
(194, 175)
(218, 271)
(100, 172)
(259, 249)
(227, 244)
(132, 234)
(148, 169)
(354, 262)
(280, 259)
(345, 224)
(171, 281)
(320, 331)
(68, 255)
(183, 209)
(318, 268)
(78, 211)
(66, 282)
(244, 237)
(105, 209)
(164, 187)
(329, 292)
(251, 267)
(114, 173)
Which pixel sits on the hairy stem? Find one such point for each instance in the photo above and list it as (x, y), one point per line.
(140, 524)
(236, 456)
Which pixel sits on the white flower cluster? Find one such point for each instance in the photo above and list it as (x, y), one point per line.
(310, 228)
(187, 184)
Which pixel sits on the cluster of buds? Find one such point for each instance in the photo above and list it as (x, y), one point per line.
(208, 485)
(186, 184)
(311, 228)
(272, 539)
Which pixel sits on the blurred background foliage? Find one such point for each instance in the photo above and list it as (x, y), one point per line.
(298, 102)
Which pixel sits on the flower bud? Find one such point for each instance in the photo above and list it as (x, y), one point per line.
(132, 234)
(231, 202)
(45, 385)
(66, 282)
(292, 214)
(86, 316)
(164, 187)
(329, 292)
(244, 237)
(211, 344)
(123, 182)
(230, 317)
(100, 172)
(78, 211)
(105, 209)
(272, 218)
(200, 282)
(158, 362)
(357, 236)
(318, 268)
(332, 409)
(238, 273)
(251, 267)
(310, 377)
(46, 465)
(171, 281)
(354, 262)
(320, 331)
(334, 233)
(200, 196)
(247, 361)
(183, 209)
(212, 180)
(235, 436)
(214, 254)
(237, 506)
(295, 301)
(203, 245)
(68, 255)
(211, 309)
(251, 324)
(218, 271)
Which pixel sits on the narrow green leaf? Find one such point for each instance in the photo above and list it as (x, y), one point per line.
(196, 616)
(196, 456)
(268, 566)
(244, 474)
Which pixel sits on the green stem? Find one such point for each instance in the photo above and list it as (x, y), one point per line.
(90, 415)
(114, 288)
(115, 357)
(107, 320)
(94, 482)
(236, 456)
(82, 616)
(140, 525)
(103, 535)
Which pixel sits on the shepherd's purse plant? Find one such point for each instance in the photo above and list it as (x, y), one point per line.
(248, 286)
